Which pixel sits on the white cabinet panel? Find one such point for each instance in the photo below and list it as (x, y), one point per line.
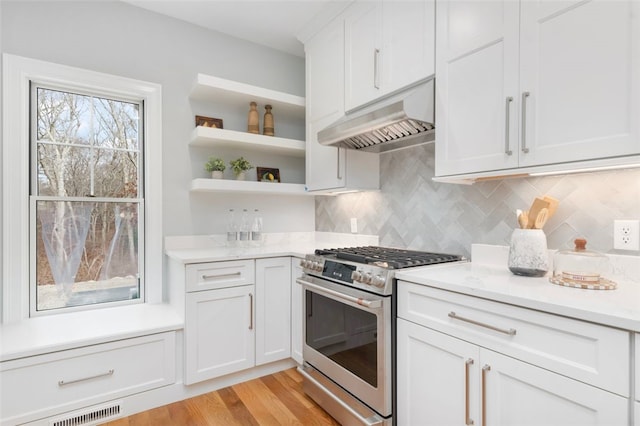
(588, 352)
(363, 47)
(329, 168)
(219, 332)
(215, 275)
(296, 311)
(437, 377)
(577, 62)
(273, 309)
(39, 386)
(536, 83)
(477, 69)
(518, 393)
(408, 50)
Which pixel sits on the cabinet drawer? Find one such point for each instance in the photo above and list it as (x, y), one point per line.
(214, 275)
(591, 353)
(44, 385)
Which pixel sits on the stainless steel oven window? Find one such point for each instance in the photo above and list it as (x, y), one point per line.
(344, 334)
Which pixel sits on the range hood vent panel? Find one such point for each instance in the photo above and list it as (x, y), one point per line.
(397, 121)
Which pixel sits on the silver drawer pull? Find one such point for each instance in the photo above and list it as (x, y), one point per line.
(510, 332)
(69, 382)
(217, 277)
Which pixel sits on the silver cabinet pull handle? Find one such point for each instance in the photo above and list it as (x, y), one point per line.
(510, 332)
(217, 277)
(467, 419)
(84, 379)
(484, 394)
(338, 175)
(250, 311)
(525, 95)
(507, 149)
(376, 74)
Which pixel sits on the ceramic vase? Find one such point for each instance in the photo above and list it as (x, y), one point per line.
(528, 254)
(253, 126)
(216, 174)
(268, 122)
(241, 176)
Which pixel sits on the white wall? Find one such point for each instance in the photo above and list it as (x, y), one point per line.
(121, 39)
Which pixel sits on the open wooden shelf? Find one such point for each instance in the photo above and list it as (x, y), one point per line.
(247, 187)
(212, 137)
(208, 87)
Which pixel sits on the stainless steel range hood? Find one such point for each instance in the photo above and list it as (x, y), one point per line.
(397, 121)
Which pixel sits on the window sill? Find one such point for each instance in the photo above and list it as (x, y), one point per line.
(37, 336)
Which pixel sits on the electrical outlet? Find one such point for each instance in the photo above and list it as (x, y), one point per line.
(354, 225)
(626, 235)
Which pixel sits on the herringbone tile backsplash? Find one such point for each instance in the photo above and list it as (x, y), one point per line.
(412, 211)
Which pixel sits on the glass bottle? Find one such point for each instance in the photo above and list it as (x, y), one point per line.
(268, 129)
(245, 228)
(253, 125)
(232, 228)
(256, 228)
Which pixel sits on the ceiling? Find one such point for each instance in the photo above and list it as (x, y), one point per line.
(273, 23)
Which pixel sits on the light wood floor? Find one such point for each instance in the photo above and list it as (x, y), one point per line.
(277, 399)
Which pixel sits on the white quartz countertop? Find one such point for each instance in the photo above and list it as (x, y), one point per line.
(617, 308)
(213, 248)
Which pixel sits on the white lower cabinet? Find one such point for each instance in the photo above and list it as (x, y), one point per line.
(36, 387)
(273, 309)
(219, 332)
(464, 360)
(245, 324)
(296, 311)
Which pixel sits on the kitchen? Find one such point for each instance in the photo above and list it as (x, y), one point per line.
(410, 210)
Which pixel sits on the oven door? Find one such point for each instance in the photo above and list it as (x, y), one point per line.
(347, 337)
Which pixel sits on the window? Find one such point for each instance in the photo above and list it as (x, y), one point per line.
(87, 196)
(82, 190)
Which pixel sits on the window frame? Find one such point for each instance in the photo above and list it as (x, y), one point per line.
(18, 73)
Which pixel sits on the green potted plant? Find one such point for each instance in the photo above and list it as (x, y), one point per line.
(240, 166)
(216, 166)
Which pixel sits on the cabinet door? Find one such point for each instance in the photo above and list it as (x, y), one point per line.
(408, 50)
(517, 393)
(273, 309)
(219, 332)
(580, 64)
(325, 104)
(296, 311)
(363, 50)
(437, 378)
(477, 86)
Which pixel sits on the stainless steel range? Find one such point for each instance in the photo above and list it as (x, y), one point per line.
(349, 327)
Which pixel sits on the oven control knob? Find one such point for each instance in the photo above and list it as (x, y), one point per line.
(316, 266)
(356, 276)
(378, 281)
(303, 263)
(367, 278)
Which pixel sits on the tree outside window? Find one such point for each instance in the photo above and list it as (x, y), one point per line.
(87, 195)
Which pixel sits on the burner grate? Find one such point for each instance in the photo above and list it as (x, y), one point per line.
(387, 257)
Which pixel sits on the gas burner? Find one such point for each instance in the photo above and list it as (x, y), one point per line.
(388, 258)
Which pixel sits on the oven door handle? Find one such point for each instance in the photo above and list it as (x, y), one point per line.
(371, 304)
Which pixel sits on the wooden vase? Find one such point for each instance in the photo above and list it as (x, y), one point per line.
(253, 126)
(268, 121)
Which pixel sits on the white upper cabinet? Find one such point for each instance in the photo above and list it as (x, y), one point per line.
(579, 62)
(535, 83)
(330, 168)
(388, 45)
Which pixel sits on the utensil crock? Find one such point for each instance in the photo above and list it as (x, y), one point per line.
(528, 254)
